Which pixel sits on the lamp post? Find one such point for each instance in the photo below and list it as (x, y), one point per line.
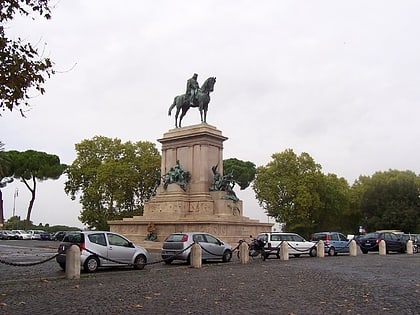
(14, 200)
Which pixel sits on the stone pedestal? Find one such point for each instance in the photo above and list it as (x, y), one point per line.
(197, 148)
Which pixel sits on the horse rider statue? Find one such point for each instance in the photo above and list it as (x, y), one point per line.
(192, 89)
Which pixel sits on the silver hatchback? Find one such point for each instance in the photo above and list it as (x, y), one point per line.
(102, 249)
(177, 246)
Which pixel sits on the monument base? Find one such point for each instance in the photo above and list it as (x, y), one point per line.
(229, 229)
(197, 149)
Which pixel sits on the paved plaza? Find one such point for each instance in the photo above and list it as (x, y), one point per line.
(366, 284)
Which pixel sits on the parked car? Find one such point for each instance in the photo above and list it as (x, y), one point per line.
(21, 234)
(45, 236)
(12, 236)
(370, 242)
(36, 234)
(58, 236)
(334, 242)
(177, 246)
(5, 235)
(297, 245)
(102, 249)
(413, 237)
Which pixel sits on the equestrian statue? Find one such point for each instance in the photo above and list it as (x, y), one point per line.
(194, 97)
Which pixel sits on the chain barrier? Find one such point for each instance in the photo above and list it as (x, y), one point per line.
(264, 251)
(31, 263)
(207, 251)
(303, 250)
(147, 263)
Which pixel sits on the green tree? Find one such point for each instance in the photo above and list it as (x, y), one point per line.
(114, 179)
(4, 177)
(243, 171)
(336, 212)
(287, 189)
(389, 200)
(30, 166)
(22, 67)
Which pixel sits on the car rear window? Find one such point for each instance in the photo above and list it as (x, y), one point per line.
(319, 237)
(76, 238)
(175, 238)
(371, 235)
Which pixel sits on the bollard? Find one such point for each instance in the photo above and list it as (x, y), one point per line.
(196, 256)
(73, 262)
(353, 248)
(382, 247)
(244, 253)
(320, 249)
(284, 251)
(410, 247)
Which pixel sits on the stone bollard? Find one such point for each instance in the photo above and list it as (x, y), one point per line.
(244, 253)
(320, 249)
(196, 255)
(73, 262)
(353, 248)
(284, 251)
(382, 247)
(410, 247)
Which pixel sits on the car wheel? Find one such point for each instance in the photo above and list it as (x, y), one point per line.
(62, 266)
(227, 256)
(140, 262)
(297, 255)
(312, 252)
(331, 252)
(189, 259)
(91, 264)
(365, 251)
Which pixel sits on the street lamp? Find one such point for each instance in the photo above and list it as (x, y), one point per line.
(14, 200)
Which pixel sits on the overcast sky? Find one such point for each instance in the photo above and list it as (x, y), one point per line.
(336, 79)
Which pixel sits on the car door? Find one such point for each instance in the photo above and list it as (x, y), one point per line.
(201, 240)
(392, 242)
(343, 244)
(120, 250)
(213, 247)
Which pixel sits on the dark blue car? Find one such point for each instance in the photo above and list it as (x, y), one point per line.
(370, 242)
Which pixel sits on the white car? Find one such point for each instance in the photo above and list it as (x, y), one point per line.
(22, 234)
(297, 245)
(102, 249)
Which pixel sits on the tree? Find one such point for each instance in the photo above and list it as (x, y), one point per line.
(287, 188)
(389, 200)
(114, 179)
(243, 171)
(30, 166)
(21, 65)
(336, 212)
(4, 178)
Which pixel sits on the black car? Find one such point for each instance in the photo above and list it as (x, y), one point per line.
(370, 242)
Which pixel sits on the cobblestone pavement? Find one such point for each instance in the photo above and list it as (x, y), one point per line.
(366, 284)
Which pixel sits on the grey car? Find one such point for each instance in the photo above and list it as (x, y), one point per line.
(177, 246)
(102, 249)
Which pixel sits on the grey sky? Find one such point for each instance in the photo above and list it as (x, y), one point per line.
(336, 79)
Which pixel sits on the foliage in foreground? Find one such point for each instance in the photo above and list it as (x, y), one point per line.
(22, 67)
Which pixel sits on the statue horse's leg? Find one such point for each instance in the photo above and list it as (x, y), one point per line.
(184, 111)
(176, 118)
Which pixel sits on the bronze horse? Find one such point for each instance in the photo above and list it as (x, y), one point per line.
(202, 101)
